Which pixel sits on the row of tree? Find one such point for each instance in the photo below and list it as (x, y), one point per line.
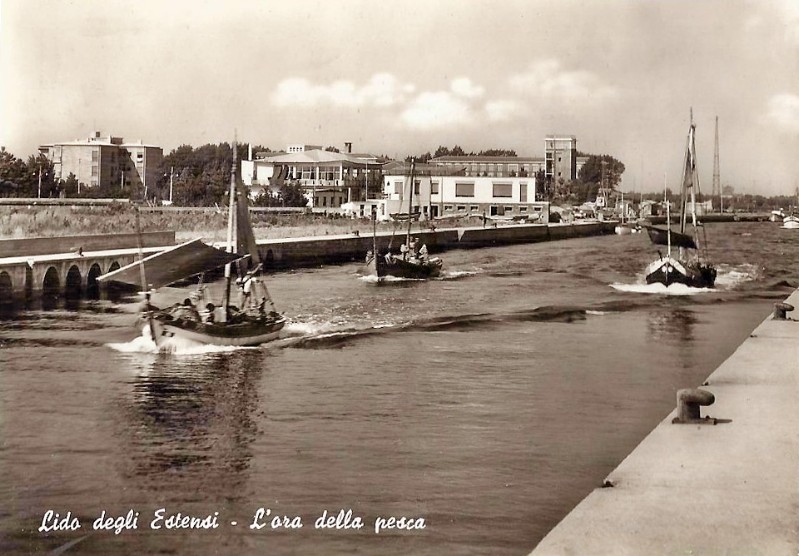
(201, 176)
(457, 150)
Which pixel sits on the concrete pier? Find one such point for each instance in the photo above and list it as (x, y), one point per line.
(71, 265)
(729, 488)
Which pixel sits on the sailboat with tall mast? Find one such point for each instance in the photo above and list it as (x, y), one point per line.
(689, 266)
(412, 262)
(255, 321)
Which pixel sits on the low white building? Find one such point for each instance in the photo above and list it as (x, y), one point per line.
(441, 191)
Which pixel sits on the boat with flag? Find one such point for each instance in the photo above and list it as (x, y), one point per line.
(689, 265)
(252, 321)
(413, 261)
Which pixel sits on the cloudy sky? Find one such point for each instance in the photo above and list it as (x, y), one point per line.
(406, 76)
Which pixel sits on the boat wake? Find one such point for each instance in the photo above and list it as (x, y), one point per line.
(731, 276)
(660, 289)
(457, 274)
(728, 278)
(175, 345)
(449, 275)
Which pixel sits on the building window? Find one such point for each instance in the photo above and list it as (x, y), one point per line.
(416, 185)
(503, 190)
(460, 207)
(464, 190)
(94, 170)
(95, 156)
(522, 209)
(523, 192)
(447, 207)
(398, 187)
(434, 188)
(508, 209)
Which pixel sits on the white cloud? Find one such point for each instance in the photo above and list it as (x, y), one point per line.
(382, 89)
(503, 110)
(546, 79)
(783, 112)
(436, 110)
(463, 86)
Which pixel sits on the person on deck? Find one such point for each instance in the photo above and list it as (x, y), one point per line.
(423, 253)
(186, 311)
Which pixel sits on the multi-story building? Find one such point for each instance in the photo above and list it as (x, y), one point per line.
(328, 179)
(105, 161)
(441, 190)
(492, 166)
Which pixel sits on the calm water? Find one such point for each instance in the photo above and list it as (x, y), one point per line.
(488, 403)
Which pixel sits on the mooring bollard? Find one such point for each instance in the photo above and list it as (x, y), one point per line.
(781, 309)
(688, 402)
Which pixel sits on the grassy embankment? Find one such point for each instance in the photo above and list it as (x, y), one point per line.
(43, 221)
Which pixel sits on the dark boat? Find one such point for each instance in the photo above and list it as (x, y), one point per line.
(254, 322)
(410, 263)
(689, 266)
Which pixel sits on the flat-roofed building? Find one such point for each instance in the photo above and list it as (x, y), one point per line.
(493, 166)
(442, 190)
(105, 161)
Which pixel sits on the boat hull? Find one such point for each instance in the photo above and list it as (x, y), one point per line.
(791, 223)
(389, 265)
(668, 271)
(251, 332)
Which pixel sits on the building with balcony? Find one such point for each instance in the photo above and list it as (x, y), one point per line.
(105, 161)
(328, 179)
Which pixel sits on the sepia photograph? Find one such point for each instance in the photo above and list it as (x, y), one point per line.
(449, 277)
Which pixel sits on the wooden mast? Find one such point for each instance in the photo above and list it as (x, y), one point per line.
(231, 235)
(410, 207)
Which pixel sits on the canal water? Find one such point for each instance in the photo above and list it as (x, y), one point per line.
(487, 403)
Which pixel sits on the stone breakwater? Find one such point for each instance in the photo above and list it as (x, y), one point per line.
(69, 266)
(311, 251)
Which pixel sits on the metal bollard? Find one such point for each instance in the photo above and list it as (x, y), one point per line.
(780, 310)
(688, 402)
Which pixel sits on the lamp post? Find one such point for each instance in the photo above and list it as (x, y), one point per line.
(39, 193)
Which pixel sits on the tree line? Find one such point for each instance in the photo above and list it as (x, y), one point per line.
(200, 176)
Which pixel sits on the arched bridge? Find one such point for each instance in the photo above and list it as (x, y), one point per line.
(69, 266)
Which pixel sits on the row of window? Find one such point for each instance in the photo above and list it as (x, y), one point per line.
(508, 208)
(500, 190)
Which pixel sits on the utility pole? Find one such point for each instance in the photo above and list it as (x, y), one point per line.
(171, 174)
(40, 180)
(716, 172)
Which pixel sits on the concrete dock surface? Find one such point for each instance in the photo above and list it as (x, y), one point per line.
(730, 488)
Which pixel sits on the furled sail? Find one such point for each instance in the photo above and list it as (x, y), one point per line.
(661, 237)
(164, 268)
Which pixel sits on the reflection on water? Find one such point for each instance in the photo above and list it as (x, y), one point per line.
(479, 403)
(671, 324)
(191, 420)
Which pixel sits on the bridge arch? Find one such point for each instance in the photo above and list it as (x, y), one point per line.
(114, 266)
(92, 286)
(6, 288)
(72, 285)
(270, 259)
(51, 283)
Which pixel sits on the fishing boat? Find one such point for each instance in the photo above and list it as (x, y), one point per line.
(625, 227)
(254, 321)
(687, 266)
(412, 262)
(791, 221)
